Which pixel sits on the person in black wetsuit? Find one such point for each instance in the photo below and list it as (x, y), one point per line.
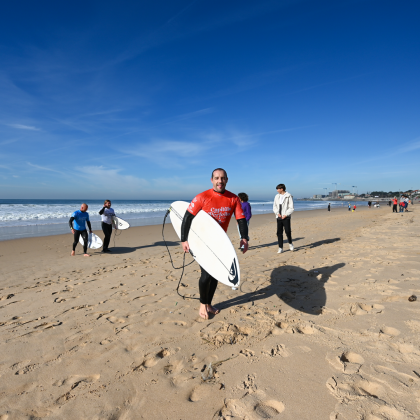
(106, 214)
(221, 205)
(80, 218)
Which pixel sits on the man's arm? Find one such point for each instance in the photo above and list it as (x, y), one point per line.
(71, 223)
(185, 230)
(101, 212)
(89, 226)
(291, 208)
(243, 228)
(276, 208)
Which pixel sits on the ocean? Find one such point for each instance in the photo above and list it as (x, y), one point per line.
(27, 218)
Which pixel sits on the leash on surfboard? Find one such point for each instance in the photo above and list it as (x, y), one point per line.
(170, 257)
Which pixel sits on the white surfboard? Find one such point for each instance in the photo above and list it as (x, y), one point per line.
(94, 241)
(120, 223)
(209, 245)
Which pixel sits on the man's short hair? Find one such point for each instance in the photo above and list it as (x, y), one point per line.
(281, 186)
(218, 169)
(84, 204)
(107, 201)
(243, 197)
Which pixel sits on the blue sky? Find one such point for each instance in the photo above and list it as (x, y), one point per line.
(141, 100)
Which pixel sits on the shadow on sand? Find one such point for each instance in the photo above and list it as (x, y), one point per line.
(128, 249)
(270, 244)
(319, 243)
(298, 288)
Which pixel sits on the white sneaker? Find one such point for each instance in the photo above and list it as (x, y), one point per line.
(280, 251)
(291, 247)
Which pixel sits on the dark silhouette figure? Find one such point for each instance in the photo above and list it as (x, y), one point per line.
(298, 288)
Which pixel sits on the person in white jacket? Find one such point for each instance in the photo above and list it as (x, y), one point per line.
(283, 209)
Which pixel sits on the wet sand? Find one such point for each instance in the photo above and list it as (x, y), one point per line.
(325, 332)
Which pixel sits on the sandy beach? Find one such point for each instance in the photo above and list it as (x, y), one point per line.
(324, 332)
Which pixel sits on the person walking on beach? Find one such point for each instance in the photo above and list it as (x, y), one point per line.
(349, 207)
(106, 215)
(246, 208)
(80, 218)
(394, 207)
(283, 209)
(406, 201)
(329, 206)
(221, 205)
(369, 204)
(354, 207)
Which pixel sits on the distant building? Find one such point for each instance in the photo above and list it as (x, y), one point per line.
(348, 197)
(318, 196)
(338, 193)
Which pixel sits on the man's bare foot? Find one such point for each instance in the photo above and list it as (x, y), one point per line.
(72, 253)
(212, 310)
(203, 311)
(86, 255)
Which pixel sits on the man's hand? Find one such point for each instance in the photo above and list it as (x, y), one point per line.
(72, 231)
(185, 246)
(244, 244)
(283, 217)
(90, 231)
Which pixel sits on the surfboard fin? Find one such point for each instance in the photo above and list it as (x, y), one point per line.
(233, 273)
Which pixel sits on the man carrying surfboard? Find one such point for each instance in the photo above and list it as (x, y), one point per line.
(106, 215)
(221, 205)
(80, 218)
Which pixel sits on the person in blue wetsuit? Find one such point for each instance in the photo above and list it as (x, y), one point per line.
(77, 222)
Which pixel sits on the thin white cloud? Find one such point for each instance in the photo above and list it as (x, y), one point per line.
(111, 178)
(169, 153)
(24, 127)
(409, 147)
(44, 168)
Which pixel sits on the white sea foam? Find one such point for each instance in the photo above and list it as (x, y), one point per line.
(19, 214)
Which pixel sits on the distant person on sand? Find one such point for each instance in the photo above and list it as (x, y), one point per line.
(401, 205)
(221, 205)
(246, 208)
(354, 207)
(329, 206)
(283, 209)
(406, 201)
(106, 215)
(369, 204)
(394, 207)
(80, 218)
(349, 207)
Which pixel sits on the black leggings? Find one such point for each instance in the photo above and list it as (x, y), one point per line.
(207, 286)
(107, 230)
(394, 208)
(284, 224)
(84, 235)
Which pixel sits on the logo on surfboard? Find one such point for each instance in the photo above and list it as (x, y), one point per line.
(233, 273)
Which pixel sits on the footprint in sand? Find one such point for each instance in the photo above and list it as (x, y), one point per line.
(75, 380)
(200, 392)
(153, 360)
(115, 320)
(252, 406)
(279, 350)
(349, 362)
(393, 332)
